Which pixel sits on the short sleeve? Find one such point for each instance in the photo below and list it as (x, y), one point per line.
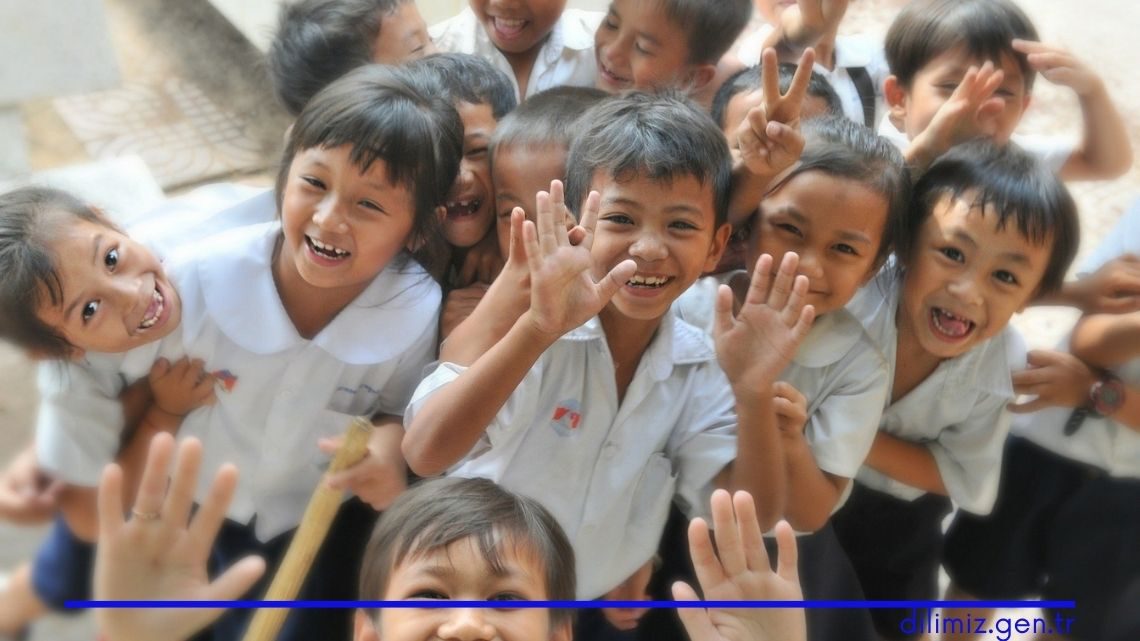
(1051, 151)
(80, 422)
(704, 440)
(1123, 239)
(969, 454)
(841, 430)
(402, 384)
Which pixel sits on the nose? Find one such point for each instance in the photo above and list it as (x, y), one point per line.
(811, 267)
(465, 178)
(966, 289)
(648, 246)
(329, 215)
(616, 53)
(466, 624)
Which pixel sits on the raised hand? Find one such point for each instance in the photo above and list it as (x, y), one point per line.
(382, 475)
(156, 556)
(180, 387)
(970, 112)
(563, 293)
(1054, 379)
(1059, 66)
(1112, 289)
(741, 572)
(768, 138)
(755, 346)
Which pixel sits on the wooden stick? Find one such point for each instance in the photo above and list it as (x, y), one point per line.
(306, 542)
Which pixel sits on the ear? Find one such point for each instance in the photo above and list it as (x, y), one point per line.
(699, 76)
(719, 243)
(363, 629)
(895, 95)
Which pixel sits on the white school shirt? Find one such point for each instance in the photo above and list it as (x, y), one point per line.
(279, 392)
(850, 52)
(80, 420)
(607, 472)
(1101, 442)
(1051, 151)
(958, 412)
(839, 370)
(566, 58)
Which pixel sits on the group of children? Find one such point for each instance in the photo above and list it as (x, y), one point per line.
(536, 260)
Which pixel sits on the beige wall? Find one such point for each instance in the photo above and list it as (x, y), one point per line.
(436, 10)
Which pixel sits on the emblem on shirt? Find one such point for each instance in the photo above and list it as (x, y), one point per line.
(225, 378)
(566, 417)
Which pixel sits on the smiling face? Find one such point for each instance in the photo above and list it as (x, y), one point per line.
(638, 47)
(834, 224)
(403, 36)
(667, 227)
(966, 278)
(520, 172)
(932, 86)
(470, 205)
(518, 26)
(116, 295)
(341, 226)
(460, 572)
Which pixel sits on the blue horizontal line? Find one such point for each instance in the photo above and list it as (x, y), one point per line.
(438, 603)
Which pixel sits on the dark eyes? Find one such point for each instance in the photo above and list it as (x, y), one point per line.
(89, 310)
(619, 219)
(313, 182)
(844, 248)
(683, 225)
(111, 259)
(953, 254)
(477, 152)
(1006, 277)
(429, 594)
(791, 229)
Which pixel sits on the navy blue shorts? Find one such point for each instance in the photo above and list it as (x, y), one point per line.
(1060, 530)
(62, 568)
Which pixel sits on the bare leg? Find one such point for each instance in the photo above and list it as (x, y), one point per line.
(19, 605)
(967, 616)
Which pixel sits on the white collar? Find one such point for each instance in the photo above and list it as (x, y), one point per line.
(852, 51)
(235, 275)
(687, 345)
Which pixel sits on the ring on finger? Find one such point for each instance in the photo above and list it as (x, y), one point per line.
(145, 516)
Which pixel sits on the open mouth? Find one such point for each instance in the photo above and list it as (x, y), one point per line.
(508, 27)
(325, 250)
(153, 310)
(648, 282)
(611, 77)
(463, 208)
(950, 326)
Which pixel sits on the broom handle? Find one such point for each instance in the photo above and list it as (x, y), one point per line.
(323, 506)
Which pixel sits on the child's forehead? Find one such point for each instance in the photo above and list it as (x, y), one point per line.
(969, 215)
(960, 58)
(641, 190)
(471, 556)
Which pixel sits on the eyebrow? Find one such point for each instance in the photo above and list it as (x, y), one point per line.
(445, 571)
(962, 236)
(95, 260)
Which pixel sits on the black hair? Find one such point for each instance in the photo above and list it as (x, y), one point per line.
(711, 26)
(657, 136)
(471, 79)
(318, 41)
(27, 218)
(1014, 186)
(435, 513)
(841, 147)
(398, 115)
(925, 29)
(750, 78)
(549, 117)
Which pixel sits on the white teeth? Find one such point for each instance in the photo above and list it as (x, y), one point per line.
(336, 251)
(510, 24)
(159, 305)
(648, 281)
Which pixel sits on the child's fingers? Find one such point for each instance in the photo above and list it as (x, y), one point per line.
(236, 581)
(797, 298)
(803, 325)
(1030, 46)
(589, 220)
(211, 514)
(751, 538)
(770, 79)
(705, 563)
(110, 502)
(176, 510)
(727, 535)
(547, 240)
(723, 310)
(787, 565)
(558, 211)
(159, 369)
(789, 392)
(761, 275)
(330, 445)
(785, 282)
(152, 487)
(1028, 407)
(517, 250)
(794, 99)
(754, 126)
(616, 279)
(696, 621)
(530, 242)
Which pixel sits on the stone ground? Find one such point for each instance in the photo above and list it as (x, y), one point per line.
(188, 44)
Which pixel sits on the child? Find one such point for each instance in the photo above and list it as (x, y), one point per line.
(482, 95)
(318, 41)
(629, 407)
(538, 44)
(1066, 509)
(990, 229)
(652, 44)
(965, 68)
(364, 171)
(742, 91)
(854, 66)
(456, 539)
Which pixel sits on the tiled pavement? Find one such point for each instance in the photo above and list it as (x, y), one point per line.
(171, 51)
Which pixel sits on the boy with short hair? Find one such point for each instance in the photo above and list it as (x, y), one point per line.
(961, 69)
(743, 90)
(538, 44)
(659, 44)
(629, 410)
(318, 41)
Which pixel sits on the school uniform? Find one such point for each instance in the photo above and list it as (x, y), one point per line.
(1067, 518)
(566, 57)
(608, 471)
(890, 530)
(1051, 151)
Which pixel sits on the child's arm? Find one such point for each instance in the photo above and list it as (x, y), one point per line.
(382, 475)
(803, 24)
(970, 112)
(910, 463)
(768, 139)
(27, 496)
(1107, 340)
(156, 556)
(1105, 151)
(737, 569)
(1058, 379)
(1114, 288)
(753, 348)
(563, 295)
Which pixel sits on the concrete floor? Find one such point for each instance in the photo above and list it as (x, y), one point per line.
(158, 39)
